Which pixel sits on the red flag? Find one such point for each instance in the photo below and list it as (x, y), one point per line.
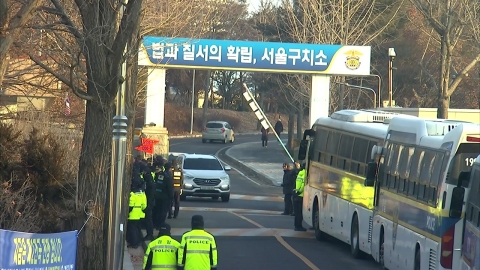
(147, 148)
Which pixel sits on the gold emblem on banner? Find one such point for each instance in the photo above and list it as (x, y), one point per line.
(353, 59)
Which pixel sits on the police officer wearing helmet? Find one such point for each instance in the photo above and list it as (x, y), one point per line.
(298, 199)
(162, 252)
(137, 204)
(163, 193)
(198, 249)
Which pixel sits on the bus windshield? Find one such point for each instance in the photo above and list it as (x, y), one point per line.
(462, 161)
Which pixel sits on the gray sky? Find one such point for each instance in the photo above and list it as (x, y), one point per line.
(255, 4)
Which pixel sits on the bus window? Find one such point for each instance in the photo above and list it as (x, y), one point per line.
(405, 160)
(321, 139)
(461, 162)
(426, 169)
(333, 141)
(416, 164)
(437, 169)
(360, 150)
(346, 146)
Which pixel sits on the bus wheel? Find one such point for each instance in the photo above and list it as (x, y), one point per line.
(417, 258)
(319, 235)
(354, 239)
(381, 251)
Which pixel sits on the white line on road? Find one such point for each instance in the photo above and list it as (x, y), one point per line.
(248, 178)
(212, 209)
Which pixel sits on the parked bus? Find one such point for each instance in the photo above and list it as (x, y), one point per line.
(419, 194)
(336, 202)
(471, 241)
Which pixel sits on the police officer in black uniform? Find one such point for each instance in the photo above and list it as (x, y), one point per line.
(163, 193)
(150, 193)
(177, 189)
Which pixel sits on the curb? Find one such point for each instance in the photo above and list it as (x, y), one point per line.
(200, 135)
(244, 167)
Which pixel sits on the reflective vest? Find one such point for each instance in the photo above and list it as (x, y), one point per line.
(138, 201)
(300, 182)
(164, 250)
(177, 179)
(198, 251)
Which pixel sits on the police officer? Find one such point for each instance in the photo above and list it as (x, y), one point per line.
(148, 176)
(177, 190)
(162, 252)
(137, 204)
(163, 193)
(198, 250)
(298, 199)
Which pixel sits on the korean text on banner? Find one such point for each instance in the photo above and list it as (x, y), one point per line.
(37, 250)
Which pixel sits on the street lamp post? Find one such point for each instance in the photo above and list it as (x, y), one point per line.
(363, 88)
(193, 101)
(391, 56)
(116, 228)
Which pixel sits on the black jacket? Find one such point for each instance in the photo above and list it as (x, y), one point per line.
(287, 182)
(278, 127)
(163, 186)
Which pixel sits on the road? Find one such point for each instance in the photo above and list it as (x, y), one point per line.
(249, 230)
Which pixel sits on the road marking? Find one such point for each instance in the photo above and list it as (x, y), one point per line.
(256, 198)
(283, 243)
(235, 169)
(252, 232)
(211, 209)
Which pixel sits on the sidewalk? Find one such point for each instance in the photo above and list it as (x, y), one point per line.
(264, 161)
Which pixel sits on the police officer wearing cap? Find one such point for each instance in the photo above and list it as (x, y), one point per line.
(137, 204)
(198, 250)
(163, 193)
(298, 199)
(147, 175)
(162, 253)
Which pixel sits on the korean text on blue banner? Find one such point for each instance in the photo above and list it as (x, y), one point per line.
(256, 56)
(37, 251)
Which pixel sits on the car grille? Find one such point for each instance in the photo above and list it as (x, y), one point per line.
(206, 182)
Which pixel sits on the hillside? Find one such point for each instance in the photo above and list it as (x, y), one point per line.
(177, 119)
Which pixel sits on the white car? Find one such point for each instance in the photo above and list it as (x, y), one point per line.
(204, 176)
(218, 131)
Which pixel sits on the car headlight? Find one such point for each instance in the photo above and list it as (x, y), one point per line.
(224, 187)
(187, 186)
(225, 178)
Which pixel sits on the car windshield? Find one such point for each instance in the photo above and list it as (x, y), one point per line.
(214, 125)
(206, 164)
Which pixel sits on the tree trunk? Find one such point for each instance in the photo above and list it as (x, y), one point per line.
(291, 131)
(445, 60)
(94, 167)
(300, 121)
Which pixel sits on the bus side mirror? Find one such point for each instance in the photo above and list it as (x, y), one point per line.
(302, 150)
(463, 177)
(371, 174)
(456, 204)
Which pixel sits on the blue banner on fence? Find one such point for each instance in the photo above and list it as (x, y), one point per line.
(37, 251)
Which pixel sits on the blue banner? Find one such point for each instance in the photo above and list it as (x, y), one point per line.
(255, 56)
(37, 251)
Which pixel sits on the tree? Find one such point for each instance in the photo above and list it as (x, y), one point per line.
(97, 34)
(11, 26)
(358, 22)
(449, 19)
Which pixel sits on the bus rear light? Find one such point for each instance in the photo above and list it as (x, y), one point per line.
(472, 139)
(447, 248)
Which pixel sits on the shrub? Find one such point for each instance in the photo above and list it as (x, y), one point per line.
(37, 191)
